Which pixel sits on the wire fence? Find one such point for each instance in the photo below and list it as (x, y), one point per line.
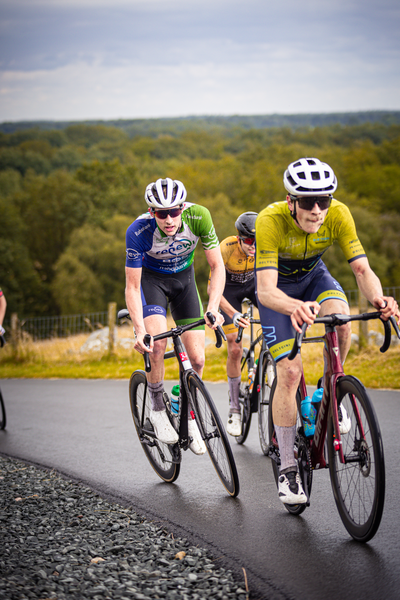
(41, 328)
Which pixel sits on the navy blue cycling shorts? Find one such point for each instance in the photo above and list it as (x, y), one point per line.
(318, 285)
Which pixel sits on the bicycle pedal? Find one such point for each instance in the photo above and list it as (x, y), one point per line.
(175, 452)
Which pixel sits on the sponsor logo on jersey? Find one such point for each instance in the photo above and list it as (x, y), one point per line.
(139, 231)
(132, 254)
(178, 247)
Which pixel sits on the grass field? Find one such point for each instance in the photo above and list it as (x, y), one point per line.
(65, 358)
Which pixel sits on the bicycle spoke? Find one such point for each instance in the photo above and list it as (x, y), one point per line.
(163, 458)
(359, 482)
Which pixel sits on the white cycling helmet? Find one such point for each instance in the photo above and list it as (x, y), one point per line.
(309, 177)
(165, 193)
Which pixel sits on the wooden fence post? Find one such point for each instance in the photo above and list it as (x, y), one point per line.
(363, 325)
(15, 333)
(112, 318)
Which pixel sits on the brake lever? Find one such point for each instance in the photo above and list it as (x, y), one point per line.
(219, 332)
(147, 364)
(298, 340)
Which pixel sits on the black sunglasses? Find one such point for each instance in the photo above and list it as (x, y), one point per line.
(308, 202)
(163, 214)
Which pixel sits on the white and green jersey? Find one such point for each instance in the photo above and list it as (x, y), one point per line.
(147, 246)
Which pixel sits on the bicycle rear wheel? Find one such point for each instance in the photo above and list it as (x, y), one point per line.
(245, 408)
(158, 453)
(358, 484)
(300, 448)
(268, 377)
(3, 419)
(214, 434)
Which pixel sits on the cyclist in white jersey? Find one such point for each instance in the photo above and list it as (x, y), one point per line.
(159, 273)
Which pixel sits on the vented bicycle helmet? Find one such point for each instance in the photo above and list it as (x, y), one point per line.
(309, 177)
(246, 224)
(165, 193)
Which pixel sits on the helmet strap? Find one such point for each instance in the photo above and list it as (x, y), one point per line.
(293, 213)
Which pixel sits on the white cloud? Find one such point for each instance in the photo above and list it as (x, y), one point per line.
(138, 58)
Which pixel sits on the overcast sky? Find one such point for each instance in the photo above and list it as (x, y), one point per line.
(108, 59)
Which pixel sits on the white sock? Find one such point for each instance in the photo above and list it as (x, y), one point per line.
(286, 437)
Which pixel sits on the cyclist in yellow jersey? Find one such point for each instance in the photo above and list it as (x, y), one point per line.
(294, 285)
(238, 256)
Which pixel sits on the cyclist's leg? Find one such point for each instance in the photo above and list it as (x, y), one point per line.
(234, 294)
(186, 307)
(329, 294)
(279, 334)
(155, 321)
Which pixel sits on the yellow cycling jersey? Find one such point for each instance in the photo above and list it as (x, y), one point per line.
(239, 267)
(282, 245)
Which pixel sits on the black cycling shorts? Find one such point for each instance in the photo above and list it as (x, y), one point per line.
(235, 293)
(179, 290)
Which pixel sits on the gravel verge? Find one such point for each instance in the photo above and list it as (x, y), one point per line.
(61, 540)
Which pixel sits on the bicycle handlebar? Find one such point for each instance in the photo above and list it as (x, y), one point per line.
(241, 329)
(339, 319)
(176, 331)
(2, 341)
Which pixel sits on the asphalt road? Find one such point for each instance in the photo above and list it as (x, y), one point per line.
(84, 430)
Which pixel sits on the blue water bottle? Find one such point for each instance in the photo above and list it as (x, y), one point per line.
(309, 414)
(316, 401)
(175, 400)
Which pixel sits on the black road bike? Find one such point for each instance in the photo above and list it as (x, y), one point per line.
(195, 399)
(254, 395)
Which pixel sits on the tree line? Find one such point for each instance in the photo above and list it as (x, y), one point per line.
(67, 196)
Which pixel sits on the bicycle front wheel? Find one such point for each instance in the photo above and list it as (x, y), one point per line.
(3, 419)
(358, 484)
(264, 395)
(158, 453)
(214, 434)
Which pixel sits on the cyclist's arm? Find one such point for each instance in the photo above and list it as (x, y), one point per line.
(216, 284)
(231, 311)
(370, 286)
(134, 305)
(272, 297)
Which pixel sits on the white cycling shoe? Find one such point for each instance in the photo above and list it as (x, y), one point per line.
(197, 444)
(344, 420)
(290, 490)
(234, 426)
(162, 427)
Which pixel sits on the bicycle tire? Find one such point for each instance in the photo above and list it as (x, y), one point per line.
(3, 418)
(158, 454)
(214, 434)
(263, 403)
(293, 509)
(359, 484)
(245, 410)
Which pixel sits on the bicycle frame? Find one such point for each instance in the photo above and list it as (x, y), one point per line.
(250, 354)
(185, 366)
(333, 370)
